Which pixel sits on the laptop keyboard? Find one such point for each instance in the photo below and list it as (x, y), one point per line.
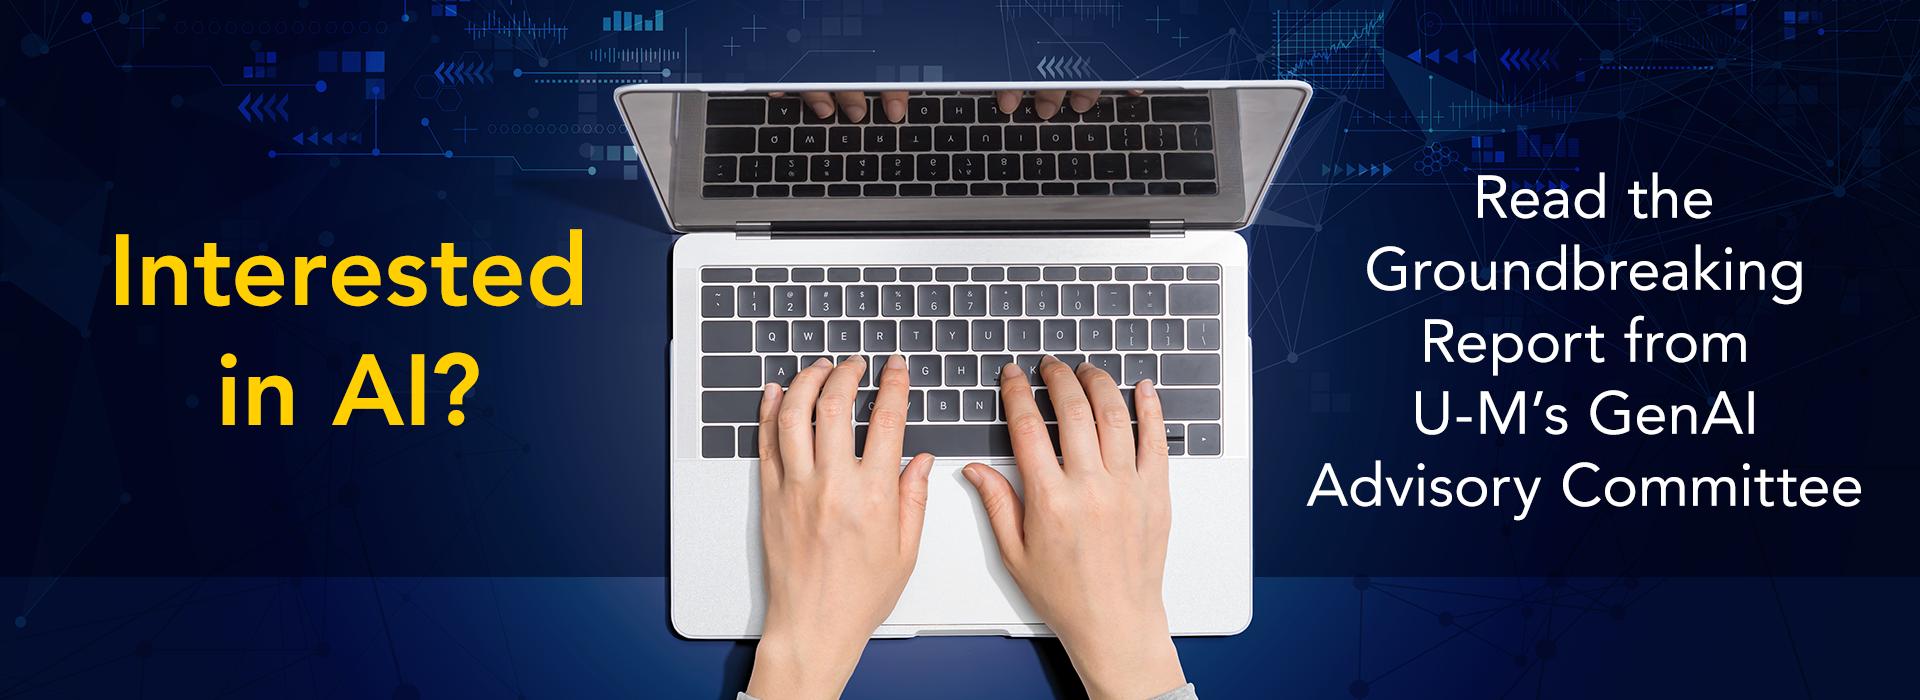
(956, 327)
(961, 145)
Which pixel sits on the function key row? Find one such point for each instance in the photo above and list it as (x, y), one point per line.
(735, 111)
(940, 300)
(981, 139)
(961, 189)
(1050, 273)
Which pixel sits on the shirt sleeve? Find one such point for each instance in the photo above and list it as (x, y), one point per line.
(1184, 692)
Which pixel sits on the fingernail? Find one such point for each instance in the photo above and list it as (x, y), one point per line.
(822, 362)
(895, 361)
(1046, 111)
(1082, 103)
(1009, 370)
(1146, 388)
(822, 110)
(971, 474)
(856, 113)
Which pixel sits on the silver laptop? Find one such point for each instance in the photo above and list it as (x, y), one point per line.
(963, 238)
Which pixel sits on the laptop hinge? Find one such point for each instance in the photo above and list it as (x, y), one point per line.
(1167, 228)
(753, 230)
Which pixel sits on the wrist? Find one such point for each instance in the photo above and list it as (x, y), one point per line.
(1127, 667)
(788, 666)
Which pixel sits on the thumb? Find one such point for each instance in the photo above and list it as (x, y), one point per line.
(913, 500)
(1003, 507)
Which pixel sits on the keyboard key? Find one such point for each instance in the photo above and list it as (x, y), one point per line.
(980, 405)
(753, 302)
(969, 300)
(809, 274)
(943, 406)
(1203, 333)
(843, 190)
(720, 169)
(726, 191)
(880, 139)
(1189, 166)
(950, 336)
(1150, 299)
(1168, 334)
(950, 274)
(987, 110)
(1090, 137)
(957, 110)
(1194, 299)
(1131, 108)
(1038, 166)
(896, 168)
(809, 336)
(1203, 272)
(1190, 369)
(923, 370)
(916, 189)
(843, 274)
(1093, 188)
(1076, 299)
(1022, 189)
(896, 300)
(1200, 188)
(1022, 138)
(1023, 335)
(1203, 439)
(1056, 273)
(1130, 273)
(824, 300)
(828, 168)
(716, 302)
(879, 336)
(730, 407)
(843, 139)
(1190, 404)
(1101, 111)
(1056, 138)
(789, 301)
(1165, 272)
(749, 442)
(1055, 189)
(1025, 113)
(1005, 299)
(1030, 365)
(790, 168)
(1162, 137)
(742, 111)
(989, 274)
(784, 110)
(931, 167)
(1003, 166)
(1161, 189)
(879, 274)
(1076, 166)
(863, 168)
(770, 336)
(916, 138)
(780, 369)
(1109, 363)
(738, 371)
(950, 138)
(1139, 367)
(962, 370)
(1143, 166)
(916, 407)
(989, 336)
(1124, 137)
(1110, 166)
(1181, 108)
(863, 300)
(923, 110)
(1129, 188)
(983, 138)
(1096, 273)
(726, 336)
(878, 190)
(1114, 299)
(770, 191)
(1043, 300)
(1196, 137)
(934, 299)
(969, 166)
(950, 440)
(776, 139)
(1096, 334)
(810, 139)
(757, 169)
(843, 336)
(1130, 334)
(716, 441)
(916, 336)
(1059, 336)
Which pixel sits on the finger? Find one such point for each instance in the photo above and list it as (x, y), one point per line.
(1136, 92)
(1009, 100)
(1082, 100)
(820, 102)
(796, 419)
(833, 414)
(1004, 512)
(1032, 448)
(894, 102)
(1046, 103)
(1152, 459)
(1079, 444)
(769, 438)
(853, 104)
(1110, 419)
(888, 424)
(913, 501)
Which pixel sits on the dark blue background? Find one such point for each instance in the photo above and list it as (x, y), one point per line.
(153, 552)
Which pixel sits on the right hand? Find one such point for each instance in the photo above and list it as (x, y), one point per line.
(1088, 544)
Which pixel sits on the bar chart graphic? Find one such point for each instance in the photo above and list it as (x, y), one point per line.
(623, 21)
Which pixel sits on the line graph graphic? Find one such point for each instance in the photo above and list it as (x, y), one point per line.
(1336, 50)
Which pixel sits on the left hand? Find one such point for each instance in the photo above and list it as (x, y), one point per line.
(841, 534)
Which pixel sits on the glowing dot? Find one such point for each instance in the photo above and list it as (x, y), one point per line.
(376, 151)
(20, 622)
(423, 121)
(273, 154)
(319, 86)
(449, 153)
(86, 18)
(593, 170)
(666, 72)
(406, 17)
(516, 73)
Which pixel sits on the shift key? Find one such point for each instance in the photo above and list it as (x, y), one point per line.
(730, 406)
(1189, 404)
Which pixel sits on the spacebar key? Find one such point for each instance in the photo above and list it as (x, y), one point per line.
(985, 440)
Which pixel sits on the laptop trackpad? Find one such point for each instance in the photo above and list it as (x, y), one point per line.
(959, 582)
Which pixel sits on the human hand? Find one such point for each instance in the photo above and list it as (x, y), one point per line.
(841, 534)
(1046, 103)
(1088, 545)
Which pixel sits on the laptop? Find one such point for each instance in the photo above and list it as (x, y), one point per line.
(963, 238)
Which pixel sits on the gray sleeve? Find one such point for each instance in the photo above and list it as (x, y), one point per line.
(744, 696)
(1184, 692)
